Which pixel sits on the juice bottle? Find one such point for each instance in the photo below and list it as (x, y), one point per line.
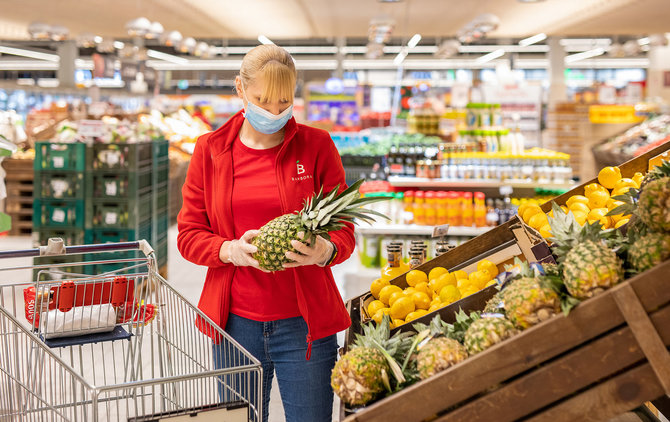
(453, 209)
(441, 205)
(393, 269)
(480, 209)
(419, 210)
(408, 207)
(468, 210)
(430, 209)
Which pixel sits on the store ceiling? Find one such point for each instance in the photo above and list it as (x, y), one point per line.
(296, 19)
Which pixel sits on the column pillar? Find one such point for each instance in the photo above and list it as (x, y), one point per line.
(557, 88)
(67, 53)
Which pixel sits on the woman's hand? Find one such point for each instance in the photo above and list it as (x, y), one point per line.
(239, 251)
(317, 254)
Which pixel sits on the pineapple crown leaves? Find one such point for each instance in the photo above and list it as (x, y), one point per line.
(629, 205)
(567, 233)
(659, 172)
(463, 321)
(556, 283)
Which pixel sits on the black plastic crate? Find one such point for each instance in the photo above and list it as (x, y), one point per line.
(59, 185)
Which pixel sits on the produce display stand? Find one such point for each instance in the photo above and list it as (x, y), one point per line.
(607, 357)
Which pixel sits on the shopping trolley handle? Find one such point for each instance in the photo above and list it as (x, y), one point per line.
(56, 246)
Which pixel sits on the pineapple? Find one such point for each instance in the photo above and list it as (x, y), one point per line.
(496, 305)
(649, 250)
(320, 215)
(528, 302)
(362, 374)
(589, 265)
(654, 205)
(487, 331)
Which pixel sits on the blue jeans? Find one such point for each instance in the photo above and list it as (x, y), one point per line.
(281, 346)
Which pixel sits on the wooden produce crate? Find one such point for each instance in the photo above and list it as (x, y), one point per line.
(19, 202)
(607, 357)
(500, 245)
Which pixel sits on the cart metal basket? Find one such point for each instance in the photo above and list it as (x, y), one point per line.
(117, 346)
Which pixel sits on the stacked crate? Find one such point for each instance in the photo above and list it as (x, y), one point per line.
(161, 202)
(19, 202)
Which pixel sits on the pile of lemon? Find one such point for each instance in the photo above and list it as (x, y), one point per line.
(597, 201)
(426, 292)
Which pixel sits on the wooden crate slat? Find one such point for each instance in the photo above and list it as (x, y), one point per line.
(561, 377)
(607, 400)
(530, 348)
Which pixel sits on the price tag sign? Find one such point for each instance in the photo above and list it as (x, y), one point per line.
(110, 218)
(110, 188)
(58, 162)
(613, 114)
(58, 216)
(58, 187)
(91, 128)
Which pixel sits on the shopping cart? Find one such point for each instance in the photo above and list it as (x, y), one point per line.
(122, 345)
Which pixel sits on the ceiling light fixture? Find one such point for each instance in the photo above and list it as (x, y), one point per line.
(584, 55)
(400, 57)
(491, 56)
(644, 41)
(264, 40)
(118, 45)
(28, 53)
(532, 40)
(167, 57)
(414, 41)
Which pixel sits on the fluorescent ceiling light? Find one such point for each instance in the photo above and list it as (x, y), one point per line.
(491, 56)
(264, 40)
(167, 57)
(643, 41)
(532, 40)
(414, 41)
(584, 55)
(400, 57)
(28, 53)
(48, 82)
(97, 39)
(118, 45)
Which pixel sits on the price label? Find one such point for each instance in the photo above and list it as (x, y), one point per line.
(112, 158)
(91, 128)
(110, 218)
(110, 188)
(58, 187)
(58, 216)
(58, 162)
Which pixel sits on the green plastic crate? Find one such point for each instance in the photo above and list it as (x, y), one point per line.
(118, 184)
(129, 157)
(60, 156)
(161, 175)
(97, 236)
(161, 195)
(70, 237)
(59, 185)
(160, 150)
(118, 213)
(58, 213)
(162, 224)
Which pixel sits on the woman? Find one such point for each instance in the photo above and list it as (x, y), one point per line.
(259, 165)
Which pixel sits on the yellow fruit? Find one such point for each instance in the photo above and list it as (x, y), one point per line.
(580, 206)
(577, 198)
(593, 187)
(619, 217)
(625, 183)
(409, 290)
(491, 283)
(606, 222)
(545, 231)
(580, 217)
(596, 214)
(443, 280)
(563, 207)
(522, 208)
(531, 211)
(379, 315)
(468, 292)
(598, 199)
(421, 300)
(449, 294)
(397, 323)
(415, 276)
(377, 285)
(620, 191)
(609, 176)
(613, 203)
(489, 266)
(621, 223)
(463, 283)
(538, 220)
(401, 308)
(460, 274)
(421, 287)
(436, 300)
(395, 296)
(435, 306)
(436, 272)
(374, 306)
(415, 315)
(479, 278)
(637, 178)
(386, 292)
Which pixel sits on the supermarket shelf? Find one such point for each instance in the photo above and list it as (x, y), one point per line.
(419, 182)
(415, 230)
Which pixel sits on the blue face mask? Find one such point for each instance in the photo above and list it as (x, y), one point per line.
(264, 121)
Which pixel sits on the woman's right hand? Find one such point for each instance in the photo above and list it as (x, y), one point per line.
(239, 251)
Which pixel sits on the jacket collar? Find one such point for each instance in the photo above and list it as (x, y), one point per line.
(222, 139)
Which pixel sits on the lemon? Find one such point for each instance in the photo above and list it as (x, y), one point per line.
(444, 280)
(415, 315)
(397, 323)
(545, 231)
(606, 222)
(613, 203)
(538, 220)
(401, 308)
(625, 183)
(596, 214)
(386, 291)
(619, 217)
(420, 287)
(379, 315)
(395, 296)
(609, 176)
(463, 283)
(415, 276)
(577, 198)
(621, 191)
(374, 306)
(522, 208)
(409, 290)
(593, 187)
(377, 285)
(531, 211)
(468, 292)
(637, 178)
(580, 206)
(436, 272)
(460, 274)
(598, 199)
(621, 223)
(449, 294)
(435, 306)
(421, 300)
(580, 217)
(479, 278)
(489, 266)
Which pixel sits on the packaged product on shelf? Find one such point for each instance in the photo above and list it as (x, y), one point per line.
(467, 210)
(370, 251)
(419, 209)
(480, 209)
(408, 203)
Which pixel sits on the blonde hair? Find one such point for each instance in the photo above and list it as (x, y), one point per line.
(277, 68)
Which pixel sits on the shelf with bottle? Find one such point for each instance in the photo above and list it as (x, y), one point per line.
(416, 230)
(424, 182)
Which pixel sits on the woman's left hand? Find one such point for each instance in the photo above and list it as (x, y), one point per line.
(317, 254)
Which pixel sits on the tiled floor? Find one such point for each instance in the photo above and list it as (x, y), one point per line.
(188, 279)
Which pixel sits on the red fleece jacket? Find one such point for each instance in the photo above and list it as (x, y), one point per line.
(306, 161)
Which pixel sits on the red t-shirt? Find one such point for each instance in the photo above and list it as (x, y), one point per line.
(257, 295)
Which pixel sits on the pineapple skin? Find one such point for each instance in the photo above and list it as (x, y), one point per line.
(654, 205)
(528, 303)
(649, 250)
(357, 377)
(439, 354)
(487, 331)
(274, 240)
(590, 268)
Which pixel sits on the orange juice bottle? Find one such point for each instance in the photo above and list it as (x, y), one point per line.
(419, 209)
(480, 209)
(408, 207)
(394, 267)
(431, 210)
(468, 210)
(441, 205)
(453, 209)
